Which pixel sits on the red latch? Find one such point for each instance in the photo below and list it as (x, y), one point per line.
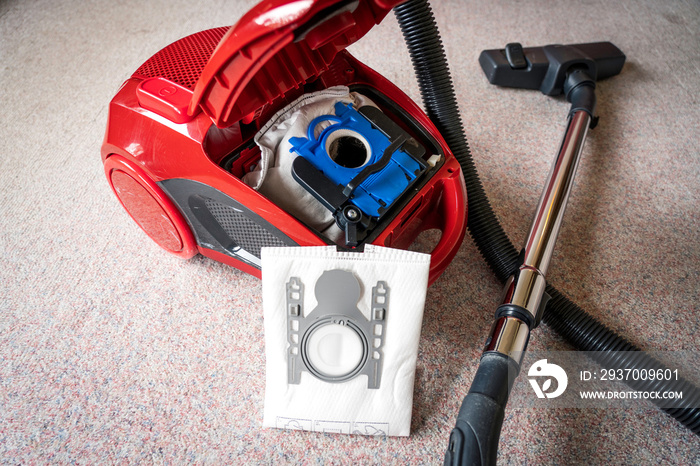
(165, 98)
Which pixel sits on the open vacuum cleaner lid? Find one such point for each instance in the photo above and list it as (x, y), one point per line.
(277, 46)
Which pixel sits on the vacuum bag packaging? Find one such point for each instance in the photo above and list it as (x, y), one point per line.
(341, 337)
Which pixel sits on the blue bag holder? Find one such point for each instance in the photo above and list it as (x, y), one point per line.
(358, 166)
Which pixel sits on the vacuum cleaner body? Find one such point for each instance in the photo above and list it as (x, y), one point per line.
(180, 139)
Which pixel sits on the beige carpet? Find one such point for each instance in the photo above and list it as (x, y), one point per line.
(112, 351)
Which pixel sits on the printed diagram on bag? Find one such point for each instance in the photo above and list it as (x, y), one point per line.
(334, 427)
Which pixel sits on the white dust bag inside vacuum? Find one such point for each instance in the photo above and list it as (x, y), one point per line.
(273, 175)
(341, 338)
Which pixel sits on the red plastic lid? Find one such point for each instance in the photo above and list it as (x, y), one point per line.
(277, 46)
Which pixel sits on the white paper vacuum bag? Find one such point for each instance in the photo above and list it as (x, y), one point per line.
(341, 338)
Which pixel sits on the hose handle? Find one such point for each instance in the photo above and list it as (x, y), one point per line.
(474, 440)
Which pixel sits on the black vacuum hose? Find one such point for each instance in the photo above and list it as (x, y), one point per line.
(425, 47)
(435, 83)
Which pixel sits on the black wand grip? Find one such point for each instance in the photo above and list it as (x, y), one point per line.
(474, 440)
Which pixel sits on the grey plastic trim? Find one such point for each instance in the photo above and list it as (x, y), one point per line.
(337, 293)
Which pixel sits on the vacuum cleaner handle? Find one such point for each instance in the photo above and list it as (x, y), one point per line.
(474, 440)
(450, 218)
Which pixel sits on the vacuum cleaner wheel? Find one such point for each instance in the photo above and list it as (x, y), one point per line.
(150, 207)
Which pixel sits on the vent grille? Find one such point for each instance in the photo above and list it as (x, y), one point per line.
(242, 230)
(182, 61)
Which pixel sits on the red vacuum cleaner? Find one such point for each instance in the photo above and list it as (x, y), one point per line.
(180, 139)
